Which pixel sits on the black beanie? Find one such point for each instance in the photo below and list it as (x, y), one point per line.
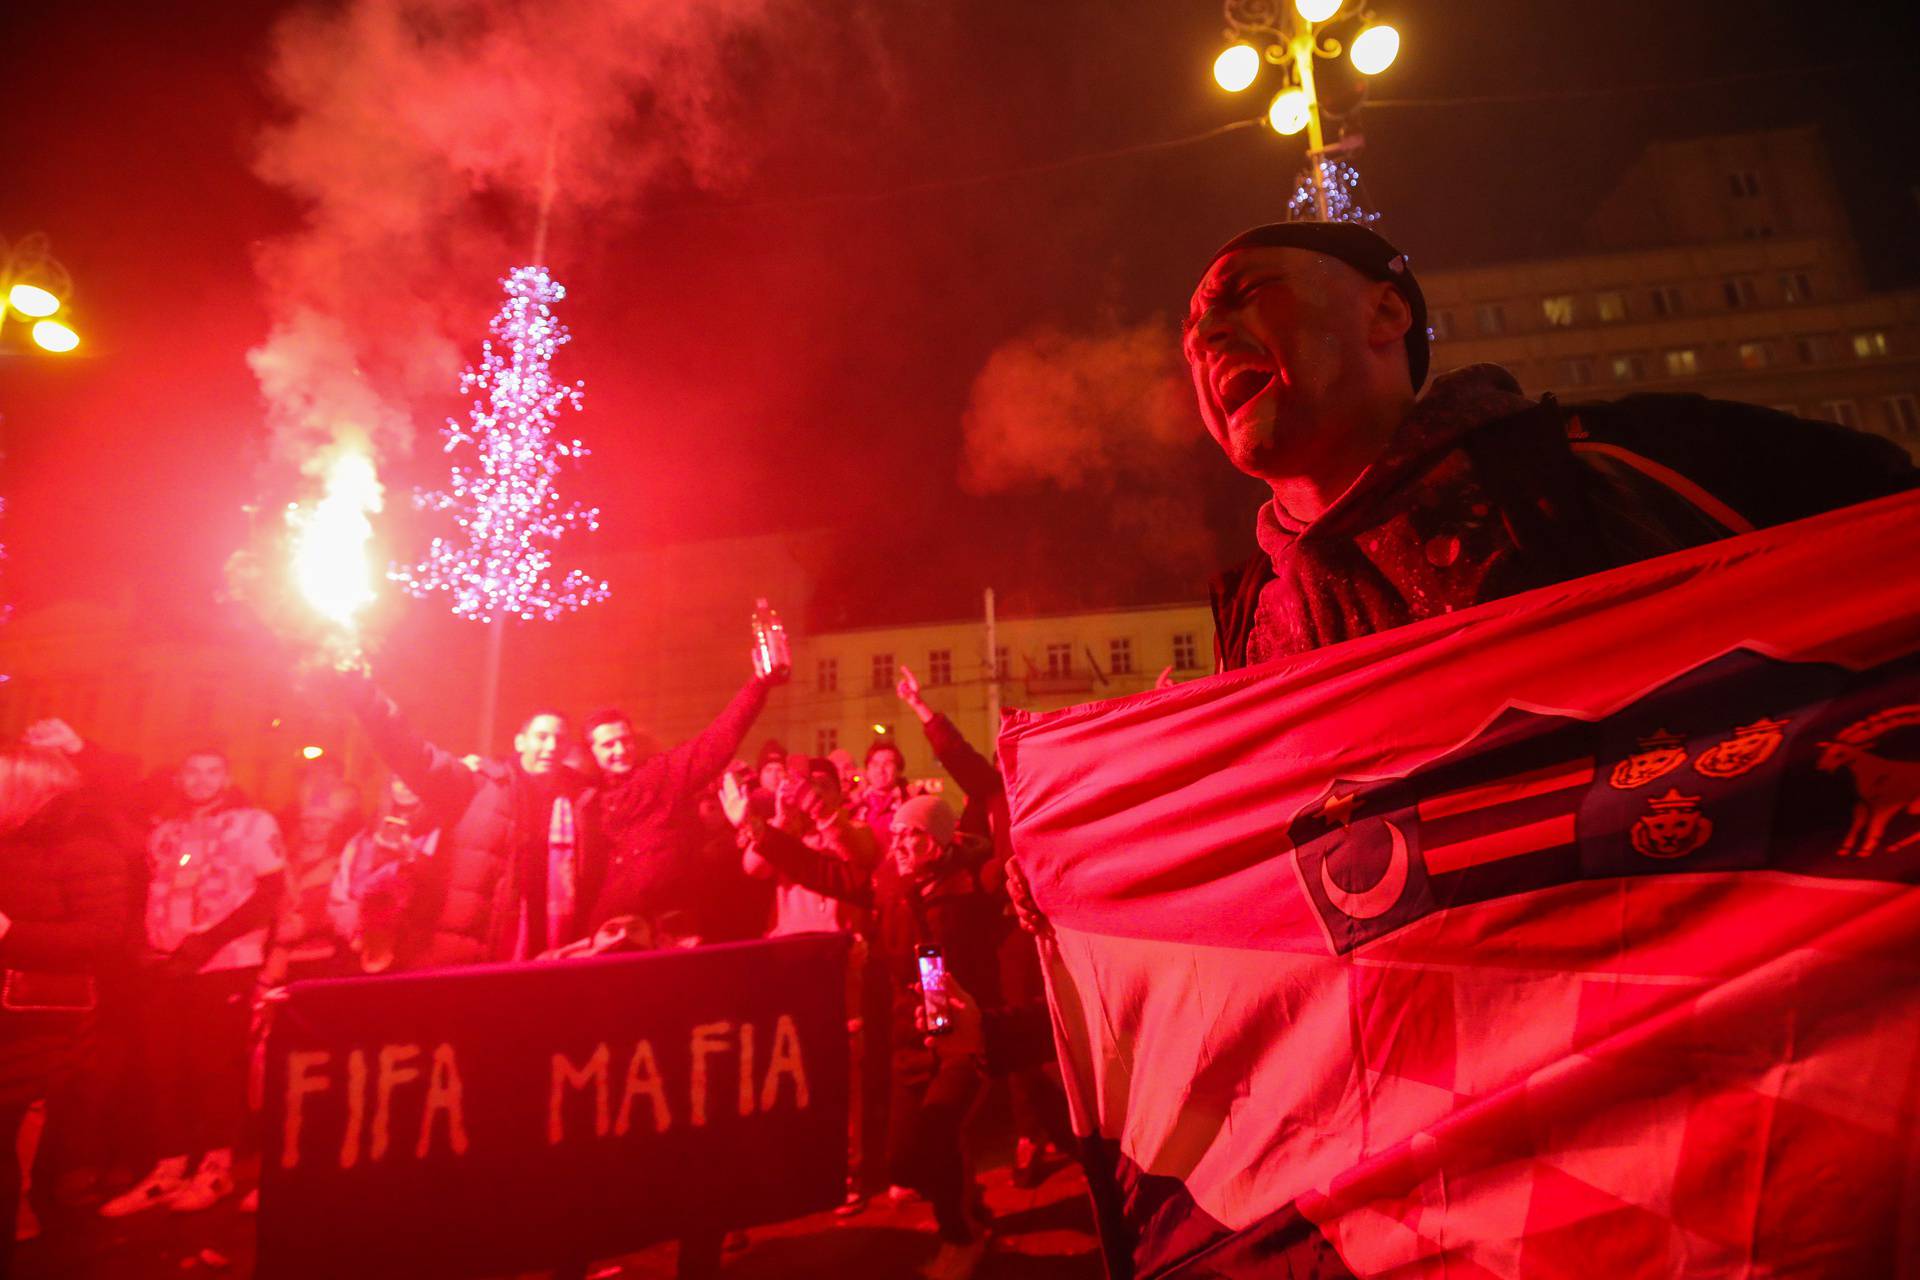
(1363, 250)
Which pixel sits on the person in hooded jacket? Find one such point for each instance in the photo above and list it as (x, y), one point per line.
(1307, 345)
(63, 905)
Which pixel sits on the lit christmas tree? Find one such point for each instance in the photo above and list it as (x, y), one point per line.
(505, 501)
(1343, 195)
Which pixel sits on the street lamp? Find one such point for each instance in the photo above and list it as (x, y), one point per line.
(31, 284)
(1291, 34)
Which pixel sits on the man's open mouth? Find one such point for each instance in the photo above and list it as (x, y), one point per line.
(1241, 386)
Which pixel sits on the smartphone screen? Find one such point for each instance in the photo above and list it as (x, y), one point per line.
(933, 990)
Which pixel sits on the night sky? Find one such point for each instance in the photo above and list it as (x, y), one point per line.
(781, 325)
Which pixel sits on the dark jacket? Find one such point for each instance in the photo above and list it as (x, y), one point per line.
(465, 906)
(979, 781)
(654, 867)
(1486, 493)
(948, 910)
(63, 884)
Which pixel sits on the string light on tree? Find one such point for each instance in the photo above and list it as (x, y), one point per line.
(505, 503)
(1342, 193)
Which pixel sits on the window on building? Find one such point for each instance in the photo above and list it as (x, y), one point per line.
(1490, 317)
(1743, 185)
(1120, 655)
(1610, 307)
(1810, 349)
(827, 675)
(940, 666)
(825, 740)
(1440, 325)
(1577, 371)
(1739, 291)
(1630, 368)
(1844, 412)
(883, 677)
(1059, 660)
(1903, 415)
(1558, 311)
(1795, 286)
(1682, 363)
(1756, 355)
(1002, 665)
(1868, 345)
(1666, 300)
(1186, 655)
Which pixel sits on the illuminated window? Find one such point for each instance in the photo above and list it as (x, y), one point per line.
(1120, 656)
(1756, 355)
(1185, 652)
(1059, 660)
(1610, 307)
(1844, 412)
(1903, 415)
(1627, 368)
(940, 666)
(882, 671)
(828, 675)
(1868, 345)
(825, 740)
(1683, 362)
(1577, 372)
(1491, 318)
(1558, 311)
(1795, 287)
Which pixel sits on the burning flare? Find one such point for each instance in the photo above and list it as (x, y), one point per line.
(330, 562)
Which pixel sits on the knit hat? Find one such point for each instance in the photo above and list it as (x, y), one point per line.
(930, 814)
(770, 750)
(1366, 252)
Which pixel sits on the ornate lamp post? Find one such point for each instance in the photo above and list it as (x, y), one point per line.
(32, 286)
(1290, 34)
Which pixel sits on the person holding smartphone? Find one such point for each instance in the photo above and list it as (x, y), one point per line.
(934, 913)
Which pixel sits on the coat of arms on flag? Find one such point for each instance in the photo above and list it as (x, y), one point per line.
(1570, 935)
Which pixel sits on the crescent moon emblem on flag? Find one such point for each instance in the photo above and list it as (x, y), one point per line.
(1377, 901)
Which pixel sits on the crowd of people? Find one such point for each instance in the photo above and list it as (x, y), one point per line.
(144, 922)
(141, 924)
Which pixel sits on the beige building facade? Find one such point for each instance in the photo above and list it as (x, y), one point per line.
(1726, 268)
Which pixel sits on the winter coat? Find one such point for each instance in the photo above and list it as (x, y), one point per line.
(947, 909)
(63, 884)
(654, 868)
(1485, 493)
(465, 901)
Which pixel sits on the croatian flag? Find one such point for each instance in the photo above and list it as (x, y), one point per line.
(1572, 935)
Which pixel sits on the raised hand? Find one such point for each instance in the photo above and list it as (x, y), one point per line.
(733, 798)
(1166, 679)
(908, 687)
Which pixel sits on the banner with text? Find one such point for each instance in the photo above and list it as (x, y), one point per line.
(507, 1117)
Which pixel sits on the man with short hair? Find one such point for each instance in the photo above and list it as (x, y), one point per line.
(645, 808)
(215, 865)
(518, 862)
(1307, 344)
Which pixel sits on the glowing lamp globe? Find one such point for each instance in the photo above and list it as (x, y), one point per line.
(32, 300)
(1316, 10)
(312, 753)
(1236, 67)
(1375, 49)
(54, 336)
(1288, 114)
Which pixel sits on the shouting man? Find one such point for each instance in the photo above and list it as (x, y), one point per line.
(1307, 343)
